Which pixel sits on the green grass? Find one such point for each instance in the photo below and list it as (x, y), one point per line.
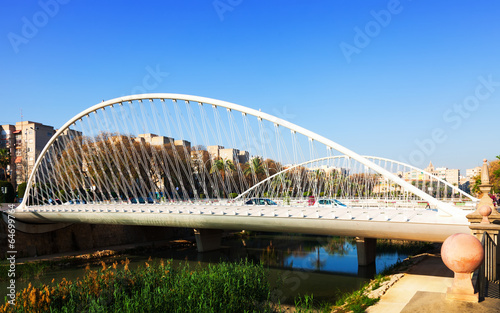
(308, 304)
(356, 301)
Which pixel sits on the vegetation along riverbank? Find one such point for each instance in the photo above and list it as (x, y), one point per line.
(162, 286)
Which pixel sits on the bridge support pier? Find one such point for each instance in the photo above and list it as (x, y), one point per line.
(366, 248)
(208, 239)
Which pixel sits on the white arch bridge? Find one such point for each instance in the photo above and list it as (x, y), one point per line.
(188, 161)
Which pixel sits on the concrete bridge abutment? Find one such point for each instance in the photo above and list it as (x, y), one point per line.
(367, 250)
(208, 239)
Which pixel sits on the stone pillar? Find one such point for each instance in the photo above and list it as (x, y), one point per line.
(367, 250)
(486, 216)
(485, 187)
(208, 239)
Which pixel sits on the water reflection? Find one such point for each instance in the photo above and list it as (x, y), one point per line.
(323, 254)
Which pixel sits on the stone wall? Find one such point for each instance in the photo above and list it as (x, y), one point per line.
(77, 237)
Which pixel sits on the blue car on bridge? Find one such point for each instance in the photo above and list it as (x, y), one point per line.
(260, 201)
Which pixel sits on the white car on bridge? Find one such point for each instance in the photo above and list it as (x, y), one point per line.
(328, 203)
(260, 201)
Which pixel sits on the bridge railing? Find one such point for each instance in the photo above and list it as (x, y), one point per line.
(486, 276)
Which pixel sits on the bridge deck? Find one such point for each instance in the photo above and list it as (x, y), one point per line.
(393, 223)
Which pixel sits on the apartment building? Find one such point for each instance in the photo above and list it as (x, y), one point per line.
(25, 141)
(30, 139)
(7, 141)
(472, 172)
(234, 155)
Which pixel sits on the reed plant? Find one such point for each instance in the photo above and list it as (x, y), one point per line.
(154, 287)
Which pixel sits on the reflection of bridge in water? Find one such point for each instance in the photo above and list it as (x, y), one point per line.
(160, 159)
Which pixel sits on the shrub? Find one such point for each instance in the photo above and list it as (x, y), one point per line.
(233, 195)
(21, 188)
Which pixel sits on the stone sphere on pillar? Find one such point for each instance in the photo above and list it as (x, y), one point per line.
(462, 253)
(485, 210)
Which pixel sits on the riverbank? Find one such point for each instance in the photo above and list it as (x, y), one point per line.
(296, 284)
(423, 288)
(371, 293)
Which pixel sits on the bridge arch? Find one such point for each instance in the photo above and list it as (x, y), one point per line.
(278, 122)
(371, 158)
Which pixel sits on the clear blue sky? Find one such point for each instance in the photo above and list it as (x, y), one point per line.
(375, 76)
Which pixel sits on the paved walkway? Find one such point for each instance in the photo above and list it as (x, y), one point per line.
(423, 289)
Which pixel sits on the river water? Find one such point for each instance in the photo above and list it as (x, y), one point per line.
(323, 266)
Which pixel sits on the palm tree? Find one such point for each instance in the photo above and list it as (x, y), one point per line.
(4, 160)
(317, 177)
(256, 167)
(223, 167)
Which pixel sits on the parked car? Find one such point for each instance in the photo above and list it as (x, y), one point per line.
(75, 201)
(141, 200)
(328, 203)
(260, 201)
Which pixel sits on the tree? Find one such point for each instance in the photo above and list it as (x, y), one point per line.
(318, 176)
(21, 189)
(256, 169)
(477, 183)
(111, 165)
(223, 167)
(495, 174)
(4, 161)
(281, 183)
